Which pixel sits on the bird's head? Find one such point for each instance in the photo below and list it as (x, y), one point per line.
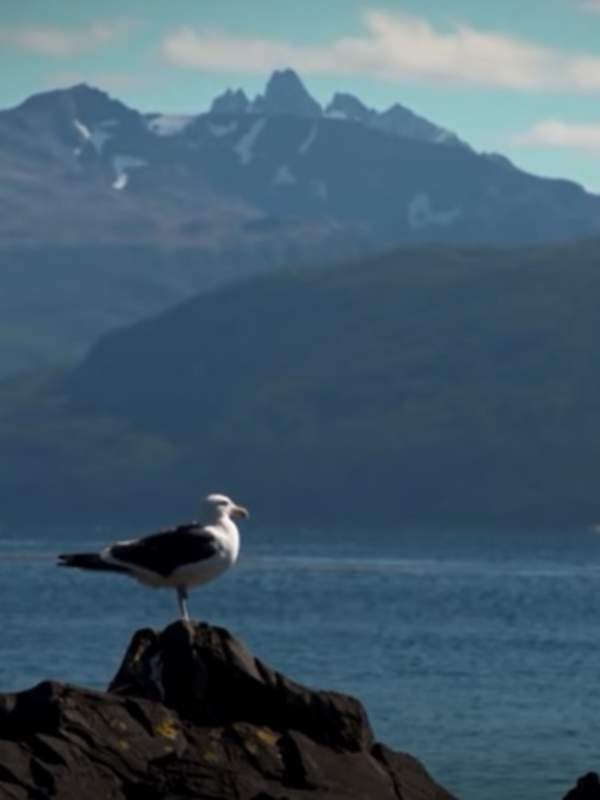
(216, 506)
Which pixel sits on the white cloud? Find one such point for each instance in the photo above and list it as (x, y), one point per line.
(556, 133)
(590, 5)
(397, 47)
(63, 42)
(212, 50)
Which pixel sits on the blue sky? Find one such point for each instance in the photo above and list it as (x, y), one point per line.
(518, 78)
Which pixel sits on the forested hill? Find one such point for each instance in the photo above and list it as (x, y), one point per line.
(434, 383)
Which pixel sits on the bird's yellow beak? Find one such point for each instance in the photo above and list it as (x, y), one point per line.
(240, 511)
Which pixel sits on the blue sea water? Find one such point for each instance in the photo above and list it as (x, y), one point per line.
(478, 652)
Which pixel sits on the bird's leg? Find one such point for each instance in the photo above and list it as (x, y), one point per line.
(182, 596)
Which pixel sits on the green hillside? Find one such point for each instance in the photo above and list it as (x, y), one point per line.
(56, 300)
(434, 383)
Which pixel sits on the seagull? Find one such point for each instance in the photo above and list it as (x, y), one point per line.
(180, 557)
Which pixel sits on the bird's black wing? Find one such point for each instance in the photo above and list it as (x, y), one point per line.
(163, 552)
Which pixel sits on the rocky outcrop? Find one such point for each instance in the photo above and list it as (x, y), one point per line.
(587, 788)
(286, 94)
(192, 713)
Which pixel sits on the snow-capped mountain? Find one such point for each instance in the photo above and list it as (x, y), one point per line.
(396, 120)
(76, 165)
(285, 94)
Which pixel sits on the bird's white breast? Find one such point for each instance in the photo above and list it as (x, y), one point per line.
(228, 536)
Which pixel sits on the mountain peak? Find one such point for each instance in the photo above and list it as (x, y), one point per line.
(230, 102)
(80, 100)
(286, 94)
(350, 107)
(79, 92)
(401, 121)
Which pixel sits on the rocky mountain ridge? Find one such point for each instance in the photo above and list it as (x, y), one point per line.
(77, 166)
(286, 94)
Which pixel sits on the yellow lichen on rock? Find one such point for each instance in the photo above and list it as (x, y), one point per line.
(167, 728)
(210, 756)
(268, 736)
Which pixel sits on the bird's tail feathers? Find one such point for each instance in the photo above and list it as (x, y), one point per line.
(87, 561)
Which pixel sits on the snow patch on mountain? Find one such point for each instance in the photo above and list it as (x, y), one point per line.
(442, 136)
(306, 144)
(123, 163)
(99, 138)
(83, 129)
(244, 148)
(334, 114)
(421, 213)
(222, 130)
(99, 135)
(168, 124)
(284, 176)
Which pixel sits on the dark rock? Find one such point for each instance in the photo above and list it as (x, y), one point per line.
(230, 102)
(587, 788)
(210, 678)
(192, 713)
(286, 94)
(349, 106)
(401, 121)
